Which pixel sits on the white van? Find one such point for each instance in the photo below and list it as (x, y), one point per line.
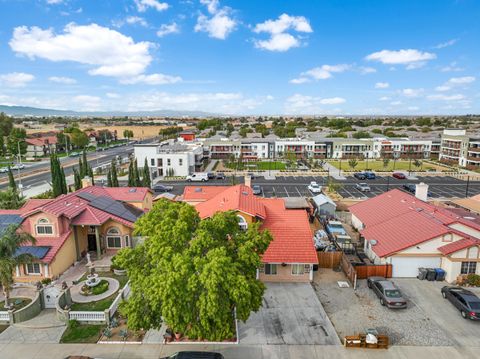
(197, 177)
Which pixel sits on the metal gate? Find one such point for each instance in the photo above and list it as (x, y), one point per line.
(50, 296)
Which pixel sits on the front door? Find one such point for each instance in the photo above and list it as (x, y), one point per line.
(92, 242)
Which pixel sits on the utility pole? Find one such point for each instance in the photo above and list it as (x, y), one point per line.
(468, 184)
(19, 170)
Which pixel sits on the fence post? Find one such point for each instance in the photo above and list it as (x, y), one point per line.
(107, 316)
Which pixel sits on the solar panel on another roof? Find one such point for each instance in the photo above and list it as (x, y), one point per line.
(87, 196)
(38, 252)
(7, 220)
(117, 208)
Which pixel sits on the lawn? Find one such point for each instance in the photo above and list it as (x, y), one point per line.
(400, 165)
(3, 327)
(18, 303)
(82, 333)
(256, 166)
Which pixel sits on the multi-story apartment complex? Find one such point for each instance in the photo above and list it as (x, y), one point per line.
(460, 148)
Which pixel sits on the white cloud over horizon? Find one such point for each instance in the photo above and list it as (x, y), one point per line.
(16, 79)
(411, 58)
(144, 5)
(219, 24)
(167, 29)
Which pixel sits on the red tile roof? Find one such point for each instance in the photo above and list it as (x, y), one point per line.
(201, 193)
(40, 141)
(458, 245)
(127, 194)
(292, 237)
(54, 242)
(33, 203)
(237, 198)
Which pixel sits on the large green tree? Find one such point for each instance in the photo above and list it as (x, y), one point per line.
(15, 140)
(146, 180)
(79, 138)
(10, 240)
(11, 199)
(193, 273)
(113, 174)
(11, 179)
(59, 183)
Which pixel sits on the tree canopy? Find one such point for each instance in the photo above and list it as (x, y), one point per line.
(193, 273)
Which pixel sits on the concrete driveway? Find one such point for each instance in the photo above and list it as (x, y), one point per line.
(426, 295)
(291, 314)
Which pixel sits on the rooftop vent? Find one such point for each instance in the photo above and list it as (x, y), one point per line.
(198, 189)
(132, 190)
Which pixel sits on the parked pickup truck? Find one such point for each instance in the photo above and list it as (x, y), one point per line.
(197, 177)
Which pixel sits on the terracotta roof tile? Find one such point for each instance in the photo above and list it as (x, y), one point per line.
(458, 245)
(54, 242)
(201, 193)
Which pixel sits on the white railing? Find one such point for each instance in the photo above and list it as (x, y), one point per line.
(4, 317)
(87, 316)
(121, 295)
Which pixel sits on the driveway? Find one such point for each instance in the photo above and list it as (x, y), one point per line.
(291, 314)
(45, 328)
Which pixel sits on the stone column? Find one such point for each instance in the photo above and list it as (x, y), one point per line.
(77, 245)
(97, 238)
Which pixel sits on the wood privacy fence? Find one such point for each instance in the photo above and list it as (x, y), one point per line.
(354, 272)
(329, 259)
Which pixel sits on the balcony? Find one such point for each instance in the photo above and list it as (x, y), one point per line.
(474, 149)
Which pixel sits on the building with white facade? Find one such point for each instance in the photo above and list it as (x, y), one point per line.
(459, 148)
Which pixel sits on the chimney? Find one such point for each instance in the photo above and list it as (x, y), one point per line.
(86, 182)
(248, 181)
(421, 191)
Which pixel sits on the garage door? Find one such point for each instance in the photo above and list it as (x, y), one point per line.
(407, 267)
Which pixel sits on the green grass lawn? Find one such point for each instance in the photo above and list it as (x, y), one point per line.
(18, 303)
(3, 327)
(82, 333)
(256, 166)
(392, 166)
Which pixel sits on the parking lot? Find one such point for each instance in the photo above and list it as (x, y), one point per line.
(428, 320)
(296, 186)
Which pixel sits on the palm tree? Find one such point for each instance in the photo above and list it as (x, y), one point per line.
(352, 163)
(10, 241)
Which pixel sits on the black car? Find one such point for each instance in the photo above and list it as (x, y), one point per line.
(220, 176)
(161, 188)
(464, 300)
(211, 175)
(257, 189)
(409, 187)
(387, 291)
(360, 175)
(195, 355)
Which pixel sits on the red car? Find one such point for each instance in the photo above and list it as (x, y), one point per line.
(399, 175)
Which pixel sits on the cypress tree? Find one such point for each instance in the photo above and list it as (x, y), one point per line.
(56, 176)
(109, 178)
(90, 173)
(11, 180)
(138, 183)
(146, 175)
(85, 164)
(77, 180)
(80, 167)
(131, 178)
(63, 179)
(114, 174)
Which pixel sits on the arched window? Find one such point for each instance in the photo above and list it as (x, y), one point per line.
(114, 240)
(242, 222)
(44, 227)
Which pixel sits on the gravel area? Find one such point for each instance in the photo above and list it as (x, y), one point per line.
(352, 312)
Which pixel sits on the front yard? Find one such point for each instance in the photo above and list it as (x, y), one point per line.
(253, 166)
(400, 165)
(82, 333)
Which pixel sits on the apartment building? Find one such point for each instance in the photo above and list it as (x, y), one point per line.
(174, 158)
(458, 147)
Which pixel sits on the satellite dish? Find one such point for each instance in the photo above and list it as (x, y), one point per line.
(373, 242)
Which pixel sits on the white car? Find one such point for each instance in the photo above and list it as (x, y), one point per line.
(197, 177)
(3, 169)
(363, 187)
(18, 166)
(314, 187)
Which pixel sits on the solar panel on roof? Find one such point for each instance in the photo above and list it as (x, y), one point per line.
(87, 196)
(38, 252)
(116, 208)
(7, 220)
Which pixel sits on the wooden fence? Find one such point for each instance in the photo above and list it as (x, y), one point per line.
(329, 259)
(364, 271)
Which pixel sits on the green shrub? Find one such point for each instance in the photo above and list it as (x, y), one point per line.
(473, 280)
(73, 324)
(102, 287)
(46, 281)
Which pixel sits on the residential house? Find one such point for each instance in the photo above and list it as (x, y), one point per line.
(409, 233)
(40, 146)
(93, 219)
(291, 255)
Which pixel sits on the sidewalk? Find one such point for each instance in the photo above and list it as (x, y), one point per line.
(334, 171)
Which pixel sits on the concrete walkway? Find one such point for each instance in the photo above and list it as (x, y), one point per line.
(211, 165)
(150, 351)
(113, 286)
(44, 328)
(334, 171)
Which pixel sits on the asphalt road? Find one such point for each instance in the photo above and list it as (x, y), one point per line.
(296, 186)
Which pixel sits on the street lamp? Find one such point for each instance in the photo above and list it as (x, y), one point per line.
(19, 170)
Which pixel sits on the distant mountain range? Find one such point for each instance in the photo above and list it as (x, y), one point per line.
(45, 112)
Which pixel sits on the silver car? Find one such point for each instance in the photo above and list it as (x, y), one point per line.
(390, 296)
(363, 187)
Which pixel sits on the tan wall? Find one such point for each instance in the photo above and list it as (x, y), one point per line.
(466, 229)
(124, 230)
(431, 246)
(65, 258)
(57, 225)
(284, 274)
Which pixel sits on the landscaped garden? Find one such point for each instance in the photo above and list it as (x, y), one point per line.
(82, 333)
(255, 166)
(391, 165)
(18, 303)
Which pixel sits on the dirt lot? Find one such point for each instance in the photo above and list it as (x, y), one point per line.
(352, 312)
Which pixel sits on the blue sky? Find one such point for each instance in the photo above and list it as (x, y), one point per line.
(243, 57)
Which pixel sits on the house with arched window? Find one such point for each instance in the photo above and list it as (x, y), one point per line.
(95, 220)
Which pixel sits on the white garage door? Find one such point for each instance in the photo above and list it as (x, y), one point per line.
(407, 267)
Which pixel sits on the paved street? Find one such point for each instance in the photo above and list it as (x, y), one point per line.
(295, 186)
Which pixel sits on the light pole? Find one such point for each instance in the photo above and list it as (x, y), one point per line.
(19, 170)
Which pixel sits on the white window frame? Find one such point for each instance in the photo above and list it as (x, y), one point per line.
(298, 266)
(43, 223)
(27, 271)
(242, 222)
(114, 234)
(470, 265)
(272, 266)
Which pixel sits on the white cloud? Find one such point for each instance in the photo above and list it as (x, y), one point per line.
(62, 80)
(112, 95)
(280, 40)
(220, 24)
(396, 103)
(304, 104)
(166, 29)
(385, 98)
(54, 2)
(411, 58)
(364, 70)
(441, 97)
(143, 5)
(320, 73)
(452, 67)
(413, 108)
(382, 85)
(132, 20)
(461, 80)
(108, 52)
(332, 101)
(442, 88)
(16, 79)
(445, 44)
(409, 92)
(87, 102)
(152, 79)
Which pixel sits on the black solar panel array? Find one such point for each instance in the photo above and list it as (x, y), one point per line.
(7, 220)
(117, 208)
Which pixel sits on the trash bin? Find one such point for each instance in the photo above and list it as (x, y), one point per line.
(422, 273)
(440, 274)
(431, 274)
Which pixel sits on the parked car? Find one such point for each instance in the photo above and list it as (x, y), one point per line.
(363, 187)
(195, 355)
(251, 175)
(370, 175)
(464, 300)
(314, 187)
(18, 166)
(74, 154)
(409, 187)
(360, 175)
(399, 175)
(257, 190)
(220, 176)
(335, 227)
(197, 177)
(390, 296)
(161, 188)
(211, 175)
(3, 169)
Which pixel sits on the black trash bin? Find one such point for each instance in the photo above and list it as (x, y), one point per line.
(440, 274)
(422, 273)
(431, 274)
